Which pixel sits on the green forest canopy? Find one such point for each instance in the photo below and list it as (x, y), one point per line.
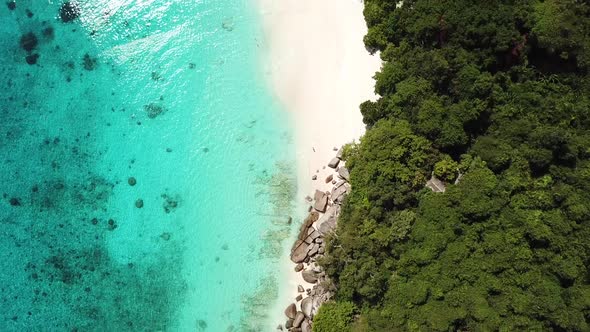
(497, 91)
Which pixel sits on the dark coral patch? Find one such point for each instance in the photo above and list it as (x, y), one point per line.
(139, 203)
(153, 110)
(48, 33)
(29, 13)
(32, 59)
(69, 11)
(132, 181)
(14, 201)
(28, 41)
(111, 225)
(169, 203)
(11, 5)
(89, 62)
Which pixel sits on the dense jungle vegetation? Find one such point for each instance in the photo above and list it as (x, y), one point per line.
(497, 94)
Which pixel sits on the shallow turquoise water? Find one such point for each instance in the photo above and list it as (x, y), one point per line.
(171, 94)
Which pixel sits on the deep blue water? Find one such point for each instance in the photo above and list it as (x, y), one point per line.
(145, 173)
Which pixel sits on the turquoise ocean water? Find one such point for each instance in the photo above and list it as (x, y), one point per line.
(145, 172)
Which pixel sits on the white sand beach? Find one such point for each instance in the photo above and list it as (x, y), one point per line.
(321, 71)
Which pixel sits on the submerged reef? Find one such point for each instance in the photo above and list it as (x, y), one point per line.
(69, 11)
(58, 210)
(170, 203)
(89, 63)
(28, 41)
(153, 110)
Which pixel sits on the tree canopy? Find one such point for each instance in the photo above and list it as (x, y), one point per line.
(492, 97)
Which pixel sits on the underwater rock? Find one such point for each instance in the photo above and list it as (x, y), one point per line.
(32, 59)
(201, 324)
(139, 203)
(169, 203)
(228, 24)
(298, 267)
(29, 13)
(165, 236)
(11, 5)
(153, 110)
(28, 41)
(156, 76)
(48, 32)
(89, 62)
(132, 181)
(112, 225)
(69, 11)
(14, 201)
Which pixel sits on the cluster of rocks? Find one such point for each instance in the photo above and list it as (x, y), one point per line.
(310, 245)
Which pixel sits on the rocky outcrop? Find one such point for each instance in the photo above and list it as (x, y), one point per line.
(334, 162)
(291, 311)
(307, 234)
(338, 192)
(310, 245)
(321, 201)
(305, 326)
(306, 306)
(327, 223)
(343, 173)
(299, 317)
(309, 276)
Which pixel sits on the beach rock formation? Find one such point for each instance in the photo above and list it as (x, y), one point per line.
(310, 245)
(321, 200)
(291, 311)
(334, 162)
(309, 276)
(306, 306)
(299, 317)
(338, 192)
(305, 326)
(343, 172)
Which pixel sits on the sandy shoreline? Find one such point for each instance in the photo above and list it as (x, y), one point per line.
(321, 72)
